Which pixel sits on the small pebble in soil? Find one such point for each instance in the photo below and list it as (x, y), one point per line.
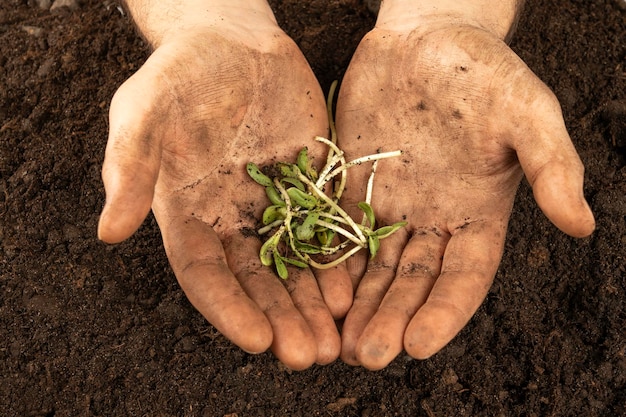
(71, 4)
(44, 4)
(33, 30)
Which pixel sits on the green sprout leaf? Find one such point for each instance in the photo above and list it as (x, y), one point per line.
(301, 198)
(295, 182)
(306, 231)
(257, 175)
(269, 248)
(305, 165)
(295, 262)
(325, 236)
(288, 170)
(386, 231)
(281, 268)
(374, 245)
(273, 213)
(369, 213)
(274, 196)
(303, 160)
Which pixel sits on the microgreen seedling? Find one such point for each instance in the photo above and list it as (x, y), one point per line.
(303, 220)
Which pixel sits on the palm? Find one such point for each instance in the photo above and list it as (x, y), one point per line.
(459, 104)
(247, 106)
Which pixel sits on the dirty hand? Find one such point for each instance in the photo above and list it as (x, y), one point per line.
(222, 88)
(471, 119)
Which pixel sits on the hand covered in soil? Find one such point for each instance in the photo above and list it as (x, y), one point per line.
(213, 96)
(471, 119)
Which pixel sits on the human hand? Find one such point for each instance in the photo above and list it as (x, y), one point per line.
(212, 97)
(471, 119)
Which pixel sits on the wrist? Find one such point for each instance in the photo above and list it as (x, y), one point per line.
(160, 21)
(496, 16)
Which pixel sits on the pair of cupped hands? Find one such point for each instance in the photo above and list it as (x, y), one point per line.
(469, 116)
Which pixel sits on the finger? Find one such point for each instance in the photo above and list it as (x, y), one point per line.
(131, 165)
(383, 338)
(199, 262)
(336, 287)
(369, 293)
(554, 169)
(306, 296)
(356, 266)
(469, 265)
(294, 342)
(558, 190)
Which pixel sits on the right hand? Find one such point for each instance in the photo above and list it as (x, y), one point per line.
(206, 102)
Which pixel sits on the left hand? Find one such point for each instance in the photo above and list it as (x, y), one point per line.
(471, 118)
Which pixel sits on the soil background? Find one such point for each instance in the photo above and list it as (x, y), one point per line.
(88, 329)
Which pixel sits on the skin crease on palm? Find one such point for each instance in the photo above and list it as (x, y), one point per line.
(471, 119)
(468, 114)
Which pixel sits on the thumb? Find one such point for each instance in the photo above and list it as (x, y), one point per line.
(131, 163)
(555, 171)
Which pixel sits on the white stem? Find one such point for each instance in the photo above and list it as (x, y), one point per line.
(331, 217)
(335, 249)
(363, 159)
(368, 192)
(341, 231)
(330, 162)
(336, 261)
(270, 226)
(331, 121)
(370, 184)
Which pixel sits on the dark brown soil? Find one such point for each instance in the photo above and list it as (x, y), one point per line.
(93, 330)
